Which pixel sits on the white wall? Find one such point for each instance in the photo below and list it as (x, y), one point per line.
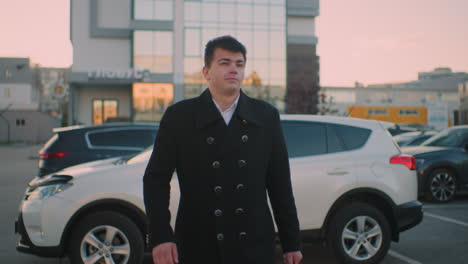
(301, 26)
(18, 94)
(84, 108)
(366, 96)
(37, 126)
(98, 53)
(114, 13)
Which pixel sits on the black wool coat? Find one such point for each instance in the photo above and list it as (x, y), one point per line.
(226, 174)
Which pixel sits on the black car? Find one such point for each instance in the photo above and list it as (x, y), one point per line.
(78, 144)
(442, 164)
(413, 138)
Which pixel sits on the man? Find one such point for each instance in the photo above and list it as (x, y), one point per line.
(228, 151)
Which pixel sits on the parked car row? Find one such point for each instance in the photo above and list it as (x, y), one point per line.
(442, 164)
(442, 161)
(78, 144)
(354, 189)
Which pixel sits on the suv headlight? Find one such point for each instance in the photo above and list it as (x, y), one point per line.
(44, 192)
(42, 188)
(47, 191)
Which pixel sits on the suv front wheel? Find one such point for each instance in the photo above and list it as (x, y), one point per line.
(106, 237)
(359, 233)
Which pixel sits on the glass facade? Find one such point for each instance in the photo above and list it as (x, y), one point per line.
(259, 24)
(104, 109)
(153, 9)
(150, 100)
(153, 50)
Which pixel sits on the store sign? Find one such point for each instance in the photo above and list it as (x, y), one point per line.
(130, 74)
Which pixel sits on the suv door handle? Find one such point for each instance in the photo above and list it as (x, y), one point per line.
(337, 171)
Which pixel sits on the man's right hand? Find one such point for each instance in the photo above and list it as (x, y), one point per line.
(165, 253)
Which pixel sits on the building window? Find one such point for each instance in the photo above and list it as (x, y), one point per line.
(8, 74)
(20, 122)
(260, 25)
(153, 51)
(377, 111)
(407, 112)
(8, 92)
(104, 109)
(153, 9)
(150, 100)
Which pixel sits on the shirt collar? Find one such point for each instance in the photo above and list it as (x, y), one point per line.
(231, 108)
(207, 112)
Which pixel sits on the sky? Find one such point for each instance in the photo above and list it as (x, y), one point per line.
(368, 41)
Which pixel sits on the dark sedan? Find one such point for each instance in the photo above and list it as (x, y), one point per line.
(78, 144)
(442, 164)
(413, 138)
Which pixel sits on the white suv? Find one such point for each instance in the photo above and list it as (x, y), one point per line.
(353, 189)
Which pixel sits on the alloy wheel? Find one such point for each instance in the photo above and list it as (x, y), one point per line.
(362, 238)
(443, 186)
(105, 245)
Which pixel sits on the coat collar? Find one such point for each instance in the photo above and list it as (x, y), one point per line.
(207, 113)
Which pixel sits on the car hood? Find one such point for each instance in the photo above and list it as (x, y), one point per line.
(419, 150)
(73, 172)
(93, 166)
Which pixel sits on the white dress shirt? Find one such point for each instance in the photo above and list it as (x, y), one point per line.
(227, 114)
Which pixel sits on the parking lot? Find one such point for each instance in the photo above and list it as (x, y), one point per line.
(442, 237)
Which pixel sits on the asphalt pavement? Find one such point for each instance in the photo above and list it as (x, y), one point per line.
(442, 237)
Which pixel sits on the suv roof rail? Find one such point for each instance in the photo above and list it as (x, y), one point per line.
(114, 124)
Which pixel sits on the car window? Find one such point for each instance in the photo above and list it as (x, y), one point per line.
(405, 137)
(418, 141)
(135, 138)
(445, 138)
(334, 143)
(353, 137)
(49, 143)
(465, 138)
(304, 138)
(398, 130)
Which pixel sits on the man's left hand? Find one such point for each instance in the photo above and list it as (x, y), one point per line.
(292, 257)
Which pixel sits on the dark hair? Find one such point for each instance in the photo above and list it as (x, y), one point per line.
(224, 42)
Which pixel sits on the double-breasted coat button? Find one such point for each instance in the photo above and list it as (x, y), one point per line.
(218, 189)
(241, 163)
(210, 140)
(218, 212)
(245, 138)
(242, 235)
(239, 211)
(216, 164)
(240, 187)
(220, 237)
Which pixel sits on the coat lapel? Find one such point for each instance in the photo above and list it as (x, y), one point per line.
(245, 111)
(207, 113)
(210, 120)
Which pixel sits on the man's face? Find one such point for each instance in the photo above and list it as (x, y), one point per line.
(226, 72)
